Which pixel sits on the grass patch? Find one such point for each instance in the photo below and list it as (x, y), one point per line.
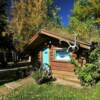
(54, 92)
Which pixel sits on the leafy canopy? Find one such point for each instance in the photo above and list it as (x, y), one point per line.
(86, 19)
(3, 15)
(29, 16)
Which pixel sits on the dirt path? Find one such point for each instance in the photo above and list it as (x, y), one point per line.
(8, 87)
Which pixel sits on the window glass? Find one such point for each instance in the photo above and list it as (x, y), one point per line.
(63, 55)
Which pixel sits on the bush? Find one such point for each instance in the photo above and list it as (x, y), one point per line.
(89, 73)
(42, 76)
(95, 56)
(38, 74)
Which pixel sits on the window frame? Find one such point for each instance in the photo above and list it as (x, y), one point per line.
(59, 59)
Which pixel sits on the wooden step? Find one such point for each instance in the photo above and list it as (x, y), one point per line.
(75, 80)
(68, 83)
(69, 76)
(65, 73)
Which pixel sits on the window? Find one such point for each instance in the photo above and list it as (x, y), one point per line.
(62, 55)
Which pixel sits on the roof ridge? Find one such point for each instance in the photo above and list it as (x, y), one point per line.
(43, 30)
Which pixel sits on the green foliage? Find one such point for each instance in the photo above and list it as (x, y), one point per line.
(38, 75)
(77, 65)
(53, 92)
(95, 56)
(89, 74)
(28, 17)
(86, 20)
(42, 76)
(3, 16)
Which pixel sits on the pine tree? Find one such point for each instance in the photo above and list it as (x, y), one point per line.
(3, 16)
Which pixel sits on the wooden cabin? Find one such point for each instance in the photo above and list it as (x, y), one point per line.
(51, 48)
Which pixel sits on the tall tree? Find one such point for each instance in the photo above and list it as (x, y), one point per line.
(3, 16)
(86, 19)
(29, 16)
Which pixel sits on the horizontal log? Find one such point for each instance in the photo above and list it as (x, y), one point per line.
(13, 69)
(62, 69)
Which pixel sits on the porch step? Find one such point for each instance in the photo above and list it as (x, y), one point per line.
(74, 80)
(69, 76)
(72, 74)
(68, 83)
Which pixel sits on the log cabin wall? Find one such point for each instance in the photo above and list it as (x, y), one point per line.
(59, 65)
(40, 56)
(56, 64)
(37, 55)
(36, 58)
(60, 68)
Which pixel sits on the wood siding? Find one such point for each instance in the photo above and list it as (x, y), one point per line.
(59, 65)
(40, 56)
(55, 65)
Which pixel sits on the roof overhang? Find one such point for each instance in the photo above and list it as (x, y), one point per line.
(82, 44)
(38, 38)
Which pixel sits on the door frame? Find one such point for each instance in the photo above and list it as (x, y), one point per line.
(48, 55)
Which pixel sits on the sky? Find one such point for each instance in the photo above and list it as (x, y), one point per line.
(65, 12)
(8, 8)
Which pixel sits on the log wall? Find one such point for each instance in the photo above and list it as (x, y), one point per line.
(59, 65)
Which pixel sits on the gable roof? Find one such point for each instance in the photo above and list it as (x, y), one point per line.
(37, 39)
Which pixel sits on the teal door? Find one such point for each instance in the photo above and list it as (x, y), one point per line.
(45, 56)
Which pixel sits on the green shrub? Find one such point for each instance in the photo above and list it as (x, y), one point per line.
(89, 73)
(38, 74)
(95, 56)
(42, 76)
